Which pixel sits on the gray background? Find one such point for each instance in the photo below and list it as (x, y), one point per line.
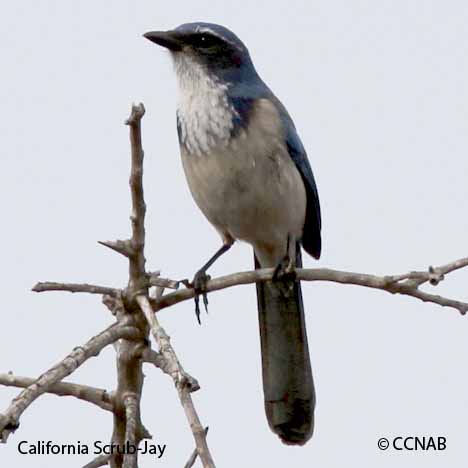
(378, 92)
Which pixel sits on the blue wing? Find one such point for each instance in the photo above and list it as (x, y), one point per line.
(243, 99)
(311, 238)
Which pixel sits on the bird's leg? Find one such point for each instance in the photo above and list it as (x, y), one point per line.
(201, 278)
(285, 270)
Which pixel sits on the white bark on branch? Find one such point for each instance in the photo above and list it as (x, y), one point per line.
(97, 396)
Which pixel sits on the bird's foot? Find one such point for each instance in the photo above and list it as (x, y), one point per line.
(285, 270)
(199, 286)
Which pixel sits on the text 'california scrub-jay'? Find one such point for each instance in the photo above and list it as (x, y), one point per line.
(249, 174)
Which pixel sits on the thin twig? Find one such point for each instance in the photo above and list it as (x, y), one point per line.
(9, 420)
(96, 396)
(438, 273)
(75, 288)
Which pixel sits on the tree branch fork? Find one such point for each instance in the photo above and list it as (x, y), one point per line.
(135, 321)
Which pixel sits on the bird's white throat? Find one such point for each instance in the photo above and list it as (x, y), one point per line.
(205, 115)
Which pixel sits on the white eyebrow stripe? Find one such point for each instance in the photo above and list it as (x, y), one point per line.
(203, 29)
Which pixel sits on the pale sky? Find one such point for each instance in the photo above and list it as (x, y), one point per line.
(378, 93)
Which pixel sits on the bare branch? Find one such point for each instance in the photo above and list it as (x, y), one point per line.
(154, 279)
(129, 385)
(128, 428)
(436, 274)
(193, 458)
(174, 368)
(131, 402)
(96, 396)
(185, 384)
(157, 359)
(198, 432)
(101, 460)
(453, 266)
(137, 218)
(75, 288)
(406, 284)
(9, 420)
(403, 289)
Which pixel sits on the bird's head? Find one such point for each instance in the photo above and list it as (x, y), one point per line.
(214, 48)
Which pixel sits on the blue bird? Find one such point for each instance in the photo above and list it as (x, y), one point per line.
(249, 174)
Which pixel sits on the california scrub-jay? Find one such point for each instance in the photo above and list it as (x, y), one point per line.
(249, 174)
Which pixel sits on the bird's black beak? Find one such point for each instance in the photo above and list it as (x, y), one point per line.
(167, 39)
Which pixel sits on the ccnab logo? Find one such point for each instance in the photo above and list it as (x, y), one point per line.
(420, 443)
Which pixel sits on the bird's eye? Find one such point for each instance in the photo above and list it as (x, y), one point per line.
(203, 40)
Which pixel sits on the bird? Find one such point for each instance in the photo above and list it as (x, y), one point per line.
(249, 174)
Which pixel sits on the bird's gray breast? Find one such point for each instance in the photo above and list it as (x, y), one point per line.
(247, 185)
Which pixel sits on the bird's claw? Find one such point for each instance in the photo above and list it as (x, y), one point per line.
(285, 270)
(199, 286)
